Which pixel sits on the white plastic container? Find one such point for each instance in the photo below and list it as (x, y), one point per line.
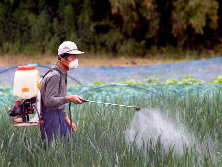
(26, 82)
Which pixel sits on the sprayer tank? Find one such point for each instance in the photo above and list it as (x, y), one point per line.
(26, 82)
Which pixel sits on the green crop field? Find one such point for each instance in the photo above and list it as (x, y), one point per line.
(177, 125)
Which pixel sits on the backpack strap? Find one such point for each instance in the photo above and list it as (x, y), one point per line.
(60, 81)
(41, 103)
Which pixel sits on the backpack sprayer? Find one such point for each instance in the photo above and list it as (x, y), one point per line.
(26, 87)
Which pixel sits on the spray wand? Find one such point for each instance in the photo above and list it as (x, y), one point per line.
(90, 101)
(119, 105)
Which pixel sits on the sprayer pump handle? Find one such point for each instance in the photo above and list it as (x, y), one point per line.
(84, 100)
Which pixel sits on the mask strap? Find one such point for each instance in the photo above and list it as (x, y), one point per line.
(63, 60)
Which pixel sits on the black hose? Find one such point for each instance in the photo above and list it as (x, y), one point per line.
(70, 115)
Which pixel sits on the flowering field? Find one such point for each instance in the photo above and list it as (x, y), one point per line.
(178, 125)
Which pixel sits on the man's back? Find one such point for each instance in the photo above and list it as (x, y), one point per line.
(53, 89)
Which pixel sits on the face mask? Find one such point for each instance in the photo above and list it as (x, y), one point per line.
(74, 64)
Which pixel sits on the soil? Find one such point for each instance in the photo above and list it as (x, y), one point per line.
(86, 60)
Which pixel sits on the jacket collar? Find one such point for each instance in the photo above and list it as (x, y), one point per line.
(60, 69)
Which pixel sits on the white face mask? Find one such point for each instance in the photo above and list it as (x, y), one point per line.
(74, 64)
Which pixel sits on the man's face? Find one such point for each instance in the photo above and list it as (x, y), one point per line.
(66, 61)
(72, 57)
(72, 61)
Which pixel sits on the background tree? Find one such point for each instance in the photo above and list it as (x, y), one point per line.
(131, 27)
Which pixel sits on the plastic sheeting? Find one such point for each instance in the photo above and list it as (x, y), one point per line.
(206, 70)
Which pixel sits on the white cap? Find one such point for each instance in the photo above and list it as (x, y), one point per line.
(68, 47)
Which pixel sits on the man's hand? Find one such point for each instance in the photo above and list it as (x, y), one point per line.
(75, 99)
(74, 127)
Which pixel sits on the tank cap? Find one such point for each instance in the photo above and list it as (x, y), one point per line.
(25, 68)
(17, 102)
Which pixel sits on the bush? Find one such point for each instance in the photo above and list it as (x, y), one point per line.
(129, 27)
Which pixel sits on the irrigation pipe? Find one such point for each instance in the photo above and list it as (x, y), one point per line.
(119, 85)
(8, 69)
(45, 66)
(125, 85)
(42, 66)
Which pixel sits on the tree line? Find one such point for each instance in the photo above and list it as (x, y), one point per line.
(116, 26)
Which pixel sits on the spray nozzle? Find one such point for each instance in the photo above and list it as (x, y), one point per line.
(137, 108)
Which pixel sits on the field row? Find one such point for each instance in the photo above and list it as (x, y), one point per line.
(177, 126)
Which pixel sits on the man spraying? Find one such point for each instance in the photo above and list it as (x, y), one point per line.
(53, 87)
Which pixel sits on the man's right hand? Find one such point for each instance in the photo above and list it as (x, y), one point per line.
(75, 99)
(74, 127)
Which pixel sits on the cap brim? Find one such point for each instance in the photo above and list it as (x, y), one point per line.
(75, 52)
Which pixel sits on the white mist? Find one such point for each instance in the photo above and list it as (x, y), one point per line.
(152, 124)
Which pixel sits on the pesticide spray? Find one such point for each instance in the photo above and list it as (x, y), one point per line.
(151, 125)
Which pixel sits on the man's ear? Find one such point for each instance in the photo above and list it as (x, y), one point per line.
(64, 61)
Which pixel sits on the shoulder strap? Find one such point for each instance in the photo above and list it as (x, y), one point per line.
(46, 73)
(60, 81)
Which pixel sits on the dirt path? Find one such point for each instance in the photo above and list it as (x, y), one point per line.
(85, 60)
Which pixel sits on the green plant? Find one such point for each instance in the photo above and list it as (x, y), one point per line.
(152, 81)
(129, 82)
(187, 80)
(96, 83)
(217, 81)
(100, 138)
(171, 82)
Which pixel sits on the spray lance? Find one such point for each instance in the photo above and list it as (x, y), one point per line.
(119, 105)
(90, 101)
(111, 104)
